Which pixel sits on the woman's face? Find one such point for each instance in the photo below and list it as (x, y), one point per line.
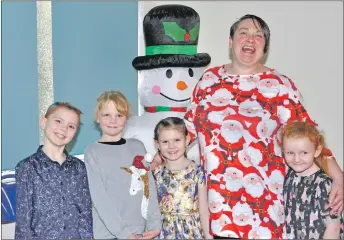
(248, 43)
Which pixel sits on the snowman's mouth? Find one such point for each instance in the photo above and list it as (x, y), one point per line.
(176, 100)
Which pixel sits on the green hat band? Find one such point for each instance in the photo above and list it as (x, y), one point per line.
(171, 49)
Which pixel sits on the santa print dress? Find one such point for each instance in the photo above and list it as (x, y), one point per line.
(236, 120)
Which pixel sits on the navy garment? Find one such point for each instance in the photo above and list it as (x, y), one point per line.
(53, 200)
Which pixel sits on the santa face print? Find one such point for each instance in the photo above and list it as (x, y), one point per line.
(111, 122)
(172, 144)
(299, 154)
(168, 86)
(215, 201)
(231, 131)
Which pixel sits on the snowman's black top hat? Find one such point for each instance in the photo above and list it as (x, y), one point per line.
(171, 36)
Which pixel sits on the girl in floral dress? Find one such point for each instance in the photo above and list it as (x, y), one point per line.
(181, 186)
(307, 185)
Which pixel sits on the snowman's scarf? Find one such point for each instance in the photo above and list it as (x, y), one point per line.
(164, 109)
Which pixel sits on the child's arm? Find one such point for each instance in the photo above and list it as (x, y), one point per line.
(204, 211)
(203, 202)
(24, 188)
(154, 218)
(85, 221)
(332, 228)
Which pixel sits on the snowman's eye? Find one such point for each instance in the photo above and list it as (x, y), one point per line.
(169, 73)
(191, 73)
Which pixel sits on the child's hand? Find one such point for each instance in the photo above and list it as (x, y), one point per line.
(150, 234)
(133, 236)
(156, 161)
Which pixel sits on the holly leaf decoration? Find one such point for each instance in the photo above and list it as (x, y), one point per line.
(174, 31)
(194, 32)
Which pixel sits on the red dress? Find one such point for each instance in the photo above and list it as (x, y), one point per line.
(236, 119)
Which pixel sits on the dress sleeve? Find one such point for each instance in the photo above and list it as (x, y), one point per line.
(191, 111)
(24, 205)
(291, 107)
(106, 207)
(85, 206)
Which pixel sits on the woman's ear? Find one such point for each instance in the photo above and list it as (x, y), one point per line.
(230, 42)
(318, 151)
(42, 122)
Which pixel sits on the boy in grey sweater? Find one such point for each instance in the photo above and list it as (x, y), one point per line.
(123, 191)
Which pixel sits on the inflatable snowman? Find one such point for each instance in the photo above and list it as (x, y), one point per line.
(170, 69)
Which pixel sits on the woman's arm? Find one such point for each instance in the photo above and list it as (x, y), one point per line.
(290, 109)
(336, 194)
(332, 229)
(204, 211)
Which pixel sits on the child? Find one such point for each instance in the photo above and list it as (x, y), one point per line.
(181, 185)
(120, 189)
(53, 199)
(307, 185)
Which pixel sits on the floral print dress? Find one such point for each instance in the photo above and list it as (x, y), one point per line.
(178, 200)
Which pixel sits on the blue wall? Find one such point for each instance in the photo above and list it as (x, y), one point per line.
(93, 46)
(20, 129)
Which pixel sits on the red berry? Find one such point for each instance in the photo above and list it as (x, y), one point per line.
(187, 37)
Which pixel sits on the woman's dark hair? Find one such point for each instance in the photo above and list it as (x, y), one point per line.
(262, 24)
(170, 123)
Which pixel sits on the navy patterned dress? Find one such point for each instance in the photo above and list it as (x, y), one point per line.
(304, 200)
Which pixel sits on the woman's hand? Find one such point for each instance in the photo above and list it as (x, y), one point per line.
(156, 161)
(336, 197)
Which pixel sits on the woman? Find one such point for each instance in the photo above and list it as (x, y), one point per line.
(236, 111)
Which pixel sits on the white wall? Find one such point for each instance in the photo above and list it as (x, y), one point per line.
(306, 45)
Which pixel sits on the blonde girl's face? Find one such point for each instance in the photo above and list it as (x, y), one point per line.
(172, 144)
(299, 153)
(60, 127)
(111, 122)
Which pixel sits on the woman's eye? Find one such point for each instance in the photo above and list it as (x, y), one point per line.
(58, 120)
(72, 127)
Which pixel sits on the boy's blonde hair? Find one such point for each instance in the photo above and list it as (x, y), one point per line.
(299, 129)
(56, 105)
(118, 98)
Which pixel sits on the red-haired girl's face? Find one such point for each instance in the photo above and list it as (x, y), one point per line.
(300, 153)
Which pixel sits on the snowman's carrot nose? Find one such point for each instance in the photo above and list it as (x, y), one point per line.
(181, 85)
